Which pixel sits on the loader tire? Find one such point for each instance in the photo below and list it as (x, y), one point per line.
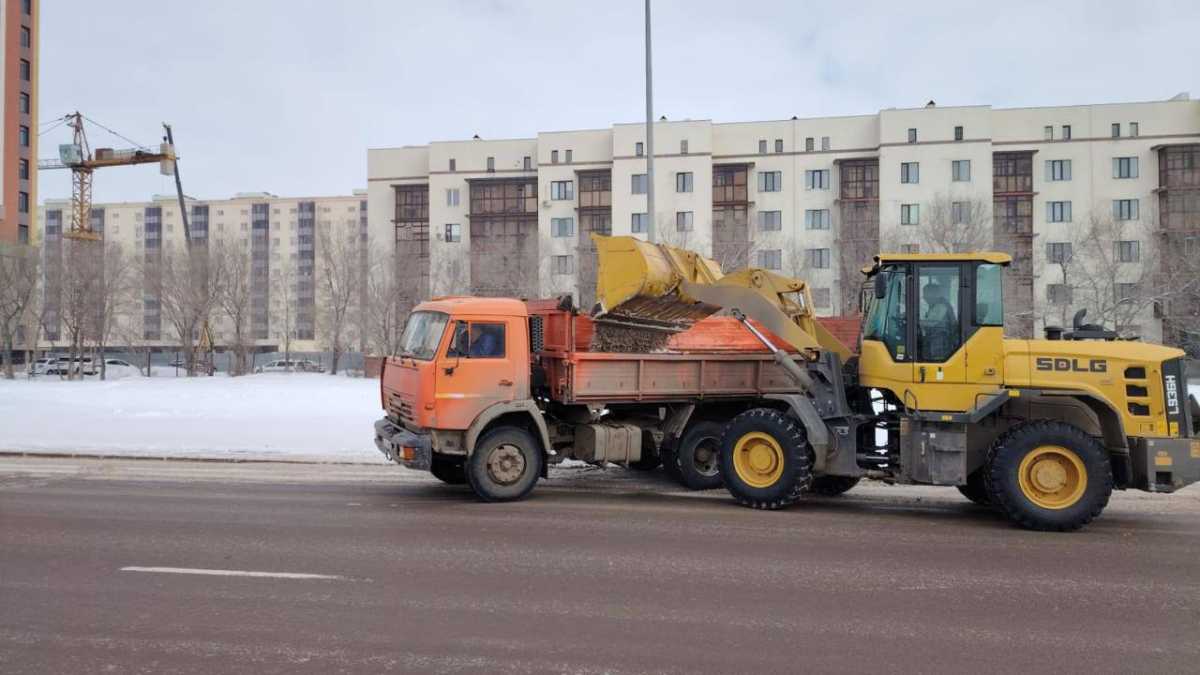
(1048, 475)
(449, 472)
(976, 488)
(766, 462)
(698, 456)
(505, 465)
(832, 486)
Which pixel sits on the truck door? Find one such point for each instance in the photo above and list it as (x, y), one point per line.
(484, 363)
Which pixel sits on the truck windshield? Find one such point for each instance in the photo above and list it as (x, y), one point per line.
(422, 334)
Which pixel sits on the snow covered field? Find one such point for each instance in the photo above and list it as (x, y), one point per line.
(271, 416)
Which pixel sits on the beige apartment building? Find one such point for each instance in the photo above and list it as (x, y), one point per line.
(281, 235)
(817, 198)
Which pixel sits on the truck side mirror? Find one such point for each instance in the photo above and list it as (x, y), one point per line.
(880, 287)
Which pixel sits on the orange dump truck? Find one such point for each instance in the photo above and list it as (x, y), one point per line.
(490, 391)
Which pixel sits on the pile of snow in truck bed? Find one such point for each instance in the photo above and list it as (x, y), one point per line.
(303, 416)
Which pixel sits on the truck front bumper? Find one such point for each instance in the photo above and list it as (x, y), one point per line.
(1165, 464)
(403, 446)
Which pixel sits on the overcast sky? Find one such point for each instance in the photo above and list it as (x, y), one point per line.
(286, 95)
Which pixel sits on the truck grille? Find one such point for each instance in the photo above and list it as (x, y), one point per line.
(401, 409)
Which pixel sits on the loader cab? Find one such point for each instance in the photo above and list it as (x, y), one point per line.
(933, 328)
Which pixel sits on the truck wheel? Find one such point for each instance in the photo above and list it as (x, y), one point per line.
(832, 486)
(976, 488)
(667, 452)
(765, 459)
(449, 472)
(1047, 475)
(650, 457)
(698, 456)
(505, 465)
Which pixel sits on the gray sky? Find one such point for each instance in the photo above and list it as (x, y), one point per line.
(286, 95)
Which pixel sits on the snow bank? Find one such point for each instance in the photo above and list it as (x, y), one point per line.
(271, 416)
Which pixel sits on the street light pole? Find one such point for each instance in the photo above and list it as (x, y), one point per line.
(650, 214)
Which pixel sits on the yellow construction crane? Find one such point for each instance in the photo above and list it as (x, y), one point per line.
(80, 159)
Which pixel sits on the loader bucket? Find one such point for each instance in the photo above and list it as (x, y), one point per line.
(638, 284)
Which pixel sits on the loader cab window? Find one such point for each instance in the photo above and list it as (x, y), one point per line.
(477, 340)
(939, 333)
(887, 318)
(989, 295)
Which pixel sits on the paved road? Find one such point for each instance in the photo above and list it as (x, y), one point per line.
(597, 572)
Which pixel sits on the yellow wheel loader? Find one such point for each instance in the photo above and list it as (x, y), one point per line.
(1043, 430)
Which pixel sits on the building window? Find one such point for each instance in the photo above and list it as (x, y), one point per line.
(1066, 132)
(762, 146)
(960, 212)
(1048, 132)
(562, 227)
(810, 144)
(1058, 252)
(683, 147)
(910, 172)
(23, 202)
(683, 221)
(1128, 251)
(561, 190)
(958, 133)
(1126, 292)
(821, 298)
(1058, 169)
(452, 164)
(639, 149)
(23, 169)
(960, 170)
(1116, 130)
(816, 219)
(1125, 167)
(1125, 209)
(564, 264)
(554, 157)
(910, 248)
(453, 232)
(683, 181)
(25, 107)
(23, 134)
(1058, 294)
(26, 37)
(910, 214)
(27, 7)
(816, 179)
(770, 181)
(638, 183)
(452, 196)
(825, 143)
(778, 145)
(25, 69)
(1133, 129)
(491, 164)
(22, 237)
(1058, 212)
(817, 258)
(771, 259)
(769, 221)
(912, 135)
(527, 163)
(639, 223)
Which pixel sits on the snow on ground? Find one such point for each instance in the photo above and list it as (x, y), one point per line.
(270, 416)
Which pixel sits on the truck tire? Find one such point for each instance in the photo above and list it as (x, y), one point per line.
(667, 452)
(650, 457)
(505, 465)
(832, 486)
(449, 472)
(1048, 475)
(976, 488)
(766, 462)
(698, 456)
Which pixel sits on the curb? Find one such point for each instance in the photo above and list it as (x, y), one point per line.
(158, 458)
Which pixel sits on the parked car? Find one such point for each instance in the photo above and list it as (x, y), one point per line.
(40, 366)
(65, 365)
(290, 366)
(117, 368)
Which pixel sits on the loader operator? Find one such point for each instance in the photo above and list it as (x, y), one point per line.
(940, 329)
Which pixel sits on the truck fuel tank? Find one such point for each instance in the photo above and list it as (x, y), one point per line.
(608, 442)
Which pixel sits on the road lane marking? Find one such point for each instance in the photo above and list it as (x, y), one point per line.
(231, 573)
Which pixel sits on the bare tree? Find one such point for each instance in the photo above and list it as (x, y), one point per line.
(234, 299)
(112, 296)
(386, 308)
(1178, 280)
(19, 271)
(82, 270)
(190, 288)
(283, 289)
(339, 280)
(955, 225)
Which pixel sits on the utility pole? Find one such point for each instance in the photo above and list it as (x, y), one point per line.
(650, 214)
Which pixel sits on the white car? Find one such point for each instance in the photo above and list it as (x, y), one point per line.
(292, 366)
(64, 365)
(40, 366)
(117, 368)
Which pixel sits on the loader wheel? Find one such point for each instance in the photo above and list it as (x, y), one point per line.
(449, 472)
(1047, 475)
(698, 456)
(505, 465)
(650, 457)
(976, 488)
(832, 486)
(765, 459)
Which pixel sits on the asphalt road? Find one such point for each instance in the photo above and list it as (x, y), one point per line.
(596, 572)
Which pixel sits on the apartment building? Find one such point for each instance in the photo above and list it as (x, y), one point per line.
(282, 236)
(18, 118)
(810, 197)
